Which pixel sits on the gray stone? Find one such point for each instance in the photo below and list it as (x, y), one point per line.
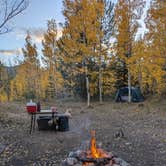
(2, 148)
(121, 162)
(78, 164)
(64, 163)
(75, 154)
(72, 154)
(71, 161)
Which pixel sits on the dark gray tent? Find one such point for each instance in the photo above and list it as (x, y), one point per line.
(122, 94)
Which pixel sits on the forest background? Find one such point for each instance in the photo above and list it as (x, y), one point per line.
(98, 52)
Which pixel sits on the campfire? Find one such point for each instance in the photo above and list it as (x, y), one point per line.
(93, 156)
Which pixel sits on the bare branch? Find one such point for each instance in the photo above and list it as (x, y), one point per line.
(10, 10)
(6, 9)
(5, 30)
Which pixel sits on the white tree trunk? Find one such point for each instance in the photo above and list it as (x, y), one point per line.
(88, 93)
(100, 75)
(54, 67)
(87, 87)
(129, 86)
(100, 85)
(140, 78)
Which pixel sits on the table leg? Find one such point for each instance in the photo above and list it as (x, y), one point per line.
(31, 124)
(34, 121)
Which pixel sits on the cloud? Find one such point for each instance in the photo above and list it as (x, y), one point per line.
(11, 52)
(37, 34)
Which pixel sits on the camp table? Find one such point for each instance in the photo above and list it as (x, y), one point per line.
(35, 115)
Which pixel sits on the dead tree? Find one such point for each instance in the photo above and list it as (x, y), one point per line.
(8, 10)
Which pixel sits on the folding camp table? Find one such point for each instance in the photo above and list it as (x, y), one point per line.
(35, 115)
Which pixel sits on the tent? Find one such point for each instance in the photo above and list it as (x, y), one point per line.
(122, 94)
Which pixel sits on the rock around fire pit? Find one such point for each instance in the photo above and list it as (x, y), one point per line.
(74, 160)
(90, 155)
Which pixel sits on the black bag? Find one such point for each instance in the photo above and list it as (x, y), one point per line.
(43, 123)
(63, 123)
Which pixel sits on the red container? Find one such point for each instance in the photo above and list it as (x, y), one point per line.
(31, 107)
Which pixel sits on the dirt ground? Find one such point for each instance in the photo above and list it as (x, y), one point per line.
(143, 125)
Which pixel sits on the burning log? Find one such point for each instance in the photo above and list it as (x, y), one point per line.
(97, 161)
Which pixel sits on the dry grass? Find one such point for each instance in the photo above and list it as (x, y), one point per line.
(143, 124)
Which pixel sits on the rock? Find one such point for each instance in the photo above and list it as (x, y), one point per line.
(64, 163)
(72, 154)
(71, 161)
(128, 143)
(78, 164)
(110, 153)
(75, 154)
(67, 162)
(119, 134)
(2, 148)
(74, 162)
(120, 162)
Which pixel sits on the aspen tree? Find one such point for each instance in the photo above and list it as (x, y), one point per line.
(127, 15)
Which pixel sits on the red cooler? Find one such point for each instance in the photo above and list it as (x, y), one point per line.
(31, 107)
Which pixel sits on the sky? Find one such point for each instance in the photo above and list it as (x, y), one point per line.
(34, 18)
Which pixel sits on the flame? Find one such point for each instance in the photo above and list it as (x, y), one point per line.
(93, 148)
(95, 152)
